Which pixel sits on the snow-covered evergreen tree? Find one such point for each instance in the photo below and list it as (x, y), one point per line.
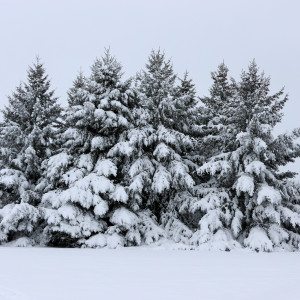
(159, 172)
(26, 139)
(85, 201)
(186, 111)
(246, 199)
(219, 133)
(129, 165)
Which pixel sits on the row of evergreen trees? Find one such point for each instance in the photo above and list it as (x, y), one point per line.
(139, 161)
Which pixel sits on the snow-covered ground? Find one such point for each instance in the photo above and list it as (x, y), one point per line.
(146, 273)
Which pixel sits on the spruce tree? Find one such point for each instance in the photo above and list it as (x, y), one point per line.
(189, 118)
(159, 172)
(26, 139)
(219, 132)
(246, 198)
(85, 201)
(215, 135)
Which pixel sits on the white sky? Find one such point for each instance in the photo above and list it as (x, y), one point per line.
(197, 35)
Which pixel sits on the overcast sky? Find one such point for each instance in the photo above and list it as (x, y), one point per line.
(196, 35)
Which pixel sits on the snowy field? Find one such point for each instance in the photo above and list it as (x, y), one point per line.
(146, 273)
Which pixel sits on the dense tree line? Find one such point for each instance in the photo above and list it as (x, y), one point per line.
(145, 160)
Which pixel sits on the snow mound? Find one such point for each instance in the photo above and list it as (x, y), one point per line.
(258, 240)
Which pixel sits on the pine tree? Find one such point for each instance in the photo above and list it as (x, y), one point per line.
(189, 118)
(185, 106)
(246, 198)
(215, 134)
(220, 130)
(77, 94)
(85, 200)
(26, 135)
(159, 173)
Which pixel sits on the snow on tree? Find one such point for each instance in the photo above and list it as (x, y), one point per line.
(129, 165)
(214, 137)
(246, 196)
(85, 201)
(26, 139)
(77, 94)
(159, 170)
(219, 134)
(187, 113)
